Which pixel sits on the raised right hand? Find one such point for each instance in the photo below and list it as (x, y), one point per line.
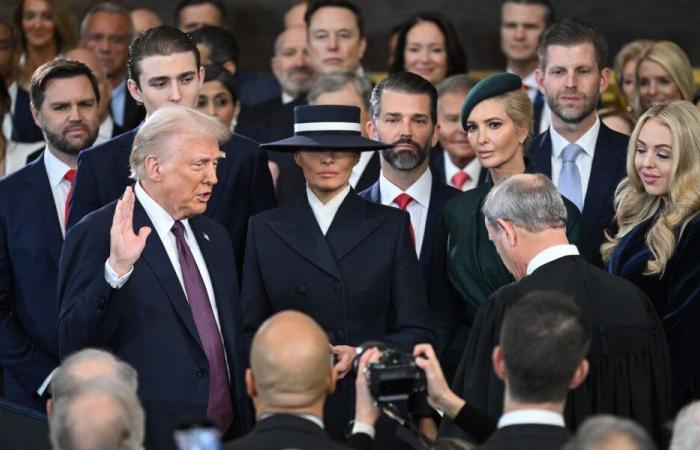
(125, 247)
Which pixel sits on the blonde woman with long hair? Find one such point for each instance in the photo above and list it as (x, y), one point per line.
(657, 244)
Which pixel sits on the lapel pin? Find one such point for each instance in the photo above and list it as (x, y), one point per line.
(206, 236)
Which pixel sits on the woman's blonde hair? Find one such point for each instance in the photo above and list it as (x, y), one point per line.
(672, 212)
(519, 108)
(673, 60)
(629, 52)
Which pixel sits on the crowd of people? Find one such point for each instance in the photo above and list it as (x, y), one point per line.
(185, 241)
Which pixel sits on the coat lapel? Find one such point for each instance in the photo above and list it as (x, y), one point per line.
(303, 234)
(38, 192)
(542, 154)
(155, 256)
(350, 226)
(434, 209)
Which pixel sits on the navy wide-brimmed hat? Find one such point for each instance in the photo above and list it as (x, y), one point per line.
(325, 127)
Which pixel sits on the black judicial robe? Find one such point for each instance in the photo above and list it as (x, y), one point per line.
(628, 357)
(676, 296)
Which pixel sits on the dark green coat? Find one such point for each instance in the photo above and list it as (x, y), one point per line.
(467, 269)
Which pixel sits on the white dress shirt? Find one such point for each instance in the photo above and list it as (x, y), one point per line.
(530, 83)
(359, 168)
(550, 254)
(56, 170)
(163, 224)
(531, 416)
(16, 154)
(105, 132)
(325, 213)
(417, 209)
(584, 161)
(473, 169)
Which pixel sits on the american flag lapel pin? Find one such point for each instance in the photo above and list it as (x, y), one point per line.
(206, 236)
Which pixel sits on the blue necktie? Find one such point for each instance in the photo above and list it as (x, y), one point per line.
(570, 178)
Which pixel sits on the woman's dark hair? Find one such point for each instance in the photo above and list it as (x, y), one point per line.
(456, 56)
(217, 73)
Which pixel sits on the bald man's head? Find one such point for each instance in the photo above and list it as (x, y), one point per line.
(89, 58)
(290, 364)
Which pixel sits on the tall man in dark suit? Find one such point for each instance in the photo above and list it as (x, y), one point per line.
(581, 155)
(629, 375)
(164, 69)
(32, 223)
(106, 30)
(404, 114)
(153, 281)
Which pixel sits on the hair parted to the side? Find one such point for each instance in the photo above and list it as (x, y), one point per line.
(333, 82)
(460, 84)
(544, 338)
(315, 5)
(59, 68)
(532, 203)
(601, 431)
(111, 8)
(672, 211)
(673, 60)
(549, 14)
(408, 83)
(569, 33)
(629, 52)
(156, 134)
(162, 40)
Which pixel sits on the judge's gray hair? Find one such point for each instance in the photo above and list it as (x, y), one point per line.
(599, 432)
(529, 201)
(155, 137)
(686, 428)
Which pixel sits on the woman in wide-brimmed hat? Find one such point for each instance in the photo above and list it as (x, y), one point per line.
(348, 263)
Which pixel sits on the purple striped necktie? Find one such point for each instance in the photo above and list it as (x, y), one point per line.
(219, 407)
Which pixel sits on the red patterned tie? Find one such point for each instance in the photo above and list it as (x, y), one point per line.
(403, 200)
(70, 176)
(219, 407)
(459, 179)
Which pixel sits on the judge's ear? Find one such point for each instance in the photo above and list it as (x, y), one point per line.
(49, 407)
(499, 364)
(579, 375)
(508, 228)
(250, 383)
(332, 380)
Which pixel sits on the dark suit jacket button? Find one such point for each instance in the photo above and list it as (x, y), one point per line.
(301, 289)
(202, 373)
(338, 286)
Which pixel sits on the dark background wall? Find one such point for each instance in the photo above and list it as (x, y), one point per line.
(256, 22)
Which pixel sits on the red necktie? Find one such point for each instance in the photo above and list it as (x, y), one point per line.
(403, 200)
(459, 179)
(219, 407)
(70, 176)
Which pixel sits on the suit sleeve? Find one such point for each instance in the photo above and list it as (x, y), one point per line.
(85, 198)
(411, 324)
(28, 363)
(255, 304)
(88, 310)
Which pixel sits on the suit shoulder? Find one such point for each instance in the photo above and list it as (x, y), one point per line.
(617, 138)
(98, 220)
(10, 183)
(466, 201)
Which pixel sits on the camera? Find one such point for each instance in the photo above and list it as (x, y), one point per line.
(395, 376)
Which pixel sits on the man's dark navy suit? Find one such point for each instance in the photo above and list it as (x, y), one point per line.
(439, 195)
(30, 247)
(607, 171)
(148, 322)
(244, 185)
(24, 129)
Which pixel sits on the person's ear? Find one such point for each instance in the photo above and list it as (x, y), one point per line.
(153, 167)
(510, 231)
(539, 78)
(49, 407)
(372, 130)
(363, 47)
(605, 76)
(134, 90)
(579, 375)
(250, 383)
(332, 380)
(499, 365)
(202, 74)
(35, 115)
(436, 134)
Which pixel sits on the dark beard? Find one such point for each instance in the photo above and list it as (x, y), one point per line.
(63, 145)
(405, 160)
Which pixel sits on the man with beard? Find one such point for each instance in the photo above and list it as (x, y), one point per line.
(404, 114)
(64, 103)
(581, 155)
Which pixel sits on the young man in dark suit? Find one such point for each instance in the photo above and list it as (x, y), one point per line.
(581, 155)
(164, 69)
(32, 225)
(629, 376)
(151, 279)
(404, 115)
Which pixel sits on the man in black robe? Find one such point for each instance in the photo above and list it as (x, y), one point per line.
(628, 356)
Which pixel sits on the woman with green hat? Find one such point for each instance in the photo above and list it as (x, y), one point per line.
(497, 115)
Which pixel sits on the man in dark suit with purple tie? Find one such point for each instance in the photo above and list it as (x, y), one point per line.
(152, 280)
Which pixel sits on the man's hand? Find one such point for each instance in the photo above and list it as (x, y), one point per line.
(439, 394)
(345, 355)
(125, 247)
(366, 410)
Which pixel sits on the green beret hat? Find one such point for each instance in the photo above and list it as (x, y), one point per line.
(491, 86)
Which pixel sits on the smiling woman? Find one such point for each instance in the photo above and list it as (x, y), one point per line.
(46, 30)
(658, 239)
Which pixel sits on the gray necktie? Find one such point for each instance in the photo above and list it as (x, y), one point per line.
(570, 178)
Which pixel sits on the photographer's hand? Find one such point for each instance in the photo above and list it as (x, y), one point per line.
(345, 355)
(366, 410)
(439, 394)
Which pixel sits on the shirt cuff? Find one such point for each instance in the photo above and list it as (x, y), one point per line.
(46, 382)
(113, 279)
(360, 427)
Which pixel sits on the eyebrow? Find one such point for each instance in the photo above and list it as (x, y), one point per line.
(639, 141)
